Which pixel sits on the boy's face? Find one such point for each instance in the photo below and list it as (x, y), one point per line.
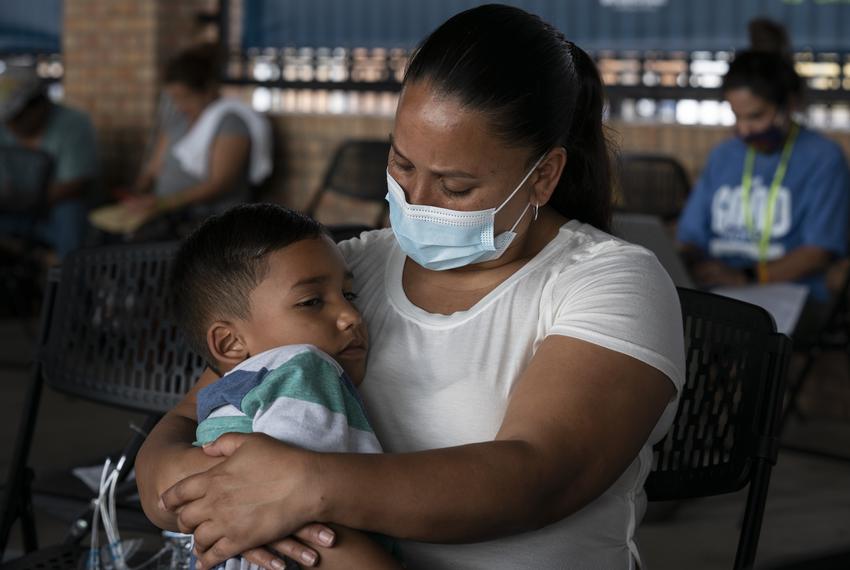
(306, 298)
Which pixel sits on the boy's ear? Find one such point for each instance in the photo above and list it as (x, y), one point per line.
(226, 344)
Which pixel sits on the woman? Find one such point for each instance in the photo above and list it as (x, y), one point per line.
(523, 362)
(773, 203)
(210, 151)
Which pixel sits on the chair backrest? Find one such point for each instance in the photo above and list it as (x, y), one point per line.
(356, 170)
(652, 184)
(109, 336)
(725, 434)
(24, 179)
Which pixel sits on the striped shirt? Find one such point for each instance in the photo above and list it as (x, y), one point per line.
(296, 394)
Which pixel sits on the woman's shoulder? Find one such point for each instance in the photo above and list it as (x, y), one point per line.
(579, 246)
(369, 245)
(588, 263)
(232, 123)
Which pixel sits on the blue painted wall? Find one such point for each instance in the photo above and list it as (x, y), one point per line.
(30, 26)
(818, 25)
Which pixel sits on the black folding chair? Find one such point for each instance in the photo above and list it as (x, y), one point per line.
(725, 435)
(357, 170)
(652, 184)
(106, 336)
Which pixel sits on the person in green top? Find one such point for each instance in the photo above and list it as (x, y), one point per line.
(29, 119)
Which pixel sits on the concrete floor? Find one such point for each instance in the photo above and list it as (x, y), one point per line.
(807, 516)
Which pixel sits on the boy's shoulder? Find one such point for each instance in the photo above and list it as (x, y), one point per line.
(252, 372)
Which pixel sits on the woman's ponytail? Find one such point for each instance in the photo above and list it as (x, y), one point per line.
(584, 191)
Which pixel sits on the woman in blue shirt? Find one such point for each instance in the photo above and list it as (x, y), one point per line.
(772, 203)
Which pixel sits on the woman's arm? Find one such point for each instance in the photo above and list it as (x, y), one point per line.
(228, 159)
(150, 172)
(167, 455)
(562, 443)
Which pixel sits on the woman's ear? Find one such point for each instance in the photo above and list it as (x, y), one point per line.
(548, 174)
(226, 344)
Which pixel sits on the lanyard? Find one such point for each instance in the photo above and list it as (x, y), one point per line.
(778, 176)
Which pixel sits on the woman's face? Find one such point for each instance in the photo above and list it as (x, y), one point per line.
(754, 114)
(446, 156)
(189, 102)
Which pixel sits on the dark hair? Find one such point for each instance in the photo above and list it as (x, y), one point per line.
(218, 266)
(769, 36)
(197, 68)
(540, 91)
(767, 68)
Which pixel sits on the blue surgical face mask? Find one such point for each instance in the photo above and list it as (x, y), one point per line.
(440, 239)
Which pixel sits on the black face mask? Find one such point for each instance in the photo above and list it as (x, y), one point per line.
(767, 141)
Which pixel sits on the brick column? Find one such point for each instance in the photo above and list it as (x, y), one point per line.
(113, 52)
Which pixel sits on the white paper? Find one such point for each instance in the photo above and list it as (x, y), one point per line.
(782, 300)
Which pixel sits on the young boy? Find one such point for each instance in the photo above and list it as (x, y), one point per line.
(264, 295)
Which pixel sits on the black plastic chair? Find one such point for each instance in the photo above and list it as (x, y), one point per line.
(652, 184)
(725, 434)
(106, 336)
(357, 170)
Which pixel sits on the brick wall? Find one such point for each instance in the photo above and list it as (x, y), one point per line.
(113, 51)
(303, 149)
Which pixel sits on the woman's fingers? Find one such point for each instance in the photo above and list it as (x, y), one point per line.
(226, 445)
(296, 550)
(264, 558)
(190, 516)
(220, 551)
(316, 534)
(189, 489)
(223, 549)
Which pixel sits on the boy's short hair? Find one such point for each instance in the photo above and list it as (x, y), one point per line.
(218, 266)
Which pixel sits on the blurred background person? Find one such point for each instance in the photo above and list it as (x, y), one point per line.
(772, 204)
(210, 150)
(29, 119)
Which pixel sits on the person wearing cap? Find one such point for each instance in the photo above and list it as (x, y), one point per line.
(29, 119)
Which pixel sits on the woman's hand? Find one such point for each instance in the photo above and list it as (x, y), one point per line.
(299, 547)
(144, 204)
(259, 494)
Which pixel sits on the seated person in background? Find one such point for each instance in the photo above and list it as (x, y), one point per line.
(773, 203)
(209, 152)
(29, 119)
(264, 294)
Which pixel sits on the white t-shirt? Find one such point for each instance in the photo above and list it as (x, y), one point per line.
(444, 380)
